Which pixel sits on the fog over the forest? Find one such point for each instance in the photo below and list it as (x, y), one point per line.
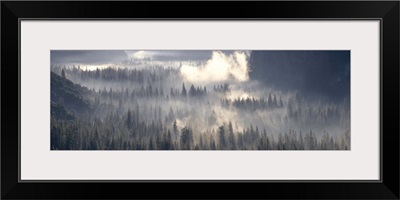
(141, 95)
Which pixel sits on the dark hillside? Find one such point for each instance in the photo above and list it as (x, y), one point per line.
(67, 97)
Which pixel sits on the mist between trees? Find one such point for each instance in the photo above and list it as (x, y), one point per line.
(155, 108)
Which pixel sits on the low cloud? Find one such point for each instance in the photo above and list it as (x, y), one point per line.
(220, 67)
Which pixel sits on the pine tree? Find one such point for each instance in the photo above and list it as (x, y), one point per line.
(175, 130)
(201, 143)
(222, 137)
(280, 102)
(63, 73)
(129, 120)
(274, 102)
(212, 143)
(151, 144)
(231, 137)
(184, 93)
(270, 104)
(192, 91)
(186, 138)
(169, 141)
(301, 142)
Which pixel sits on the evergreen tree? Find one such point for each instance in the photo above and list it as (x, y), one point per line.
(270, 104)
(169, 141)
(175, 130)
(192, 91)
(129, 120)
(212, 143)
(222, 137)
(274, 102)
(186, 138)
(231, 137)
(151, 144)
(63, 73)
(184, 93)
(301, 142)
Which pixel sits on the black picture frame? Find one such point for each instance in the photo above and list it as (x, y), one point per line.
(386, 11)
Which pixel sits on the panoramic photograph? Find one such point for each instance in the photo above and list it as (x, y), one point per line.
(141, 100)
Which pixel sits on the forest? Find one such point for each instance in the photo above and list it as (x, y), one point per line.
(157, 107)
